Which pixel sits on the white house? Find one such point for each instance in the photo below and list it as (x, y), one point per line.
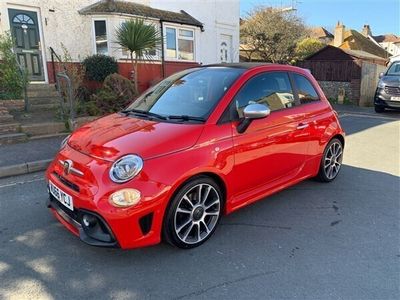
(195, 32)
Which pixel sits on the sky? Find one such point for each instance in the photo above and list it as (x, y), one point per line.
(383, 16)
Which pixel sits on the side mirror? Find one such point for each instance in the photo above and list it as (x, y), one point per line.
(252, 112)
(381, 74)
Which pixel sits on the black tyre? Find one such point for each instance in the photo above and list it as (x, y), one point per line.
(331, 161)
(193, 213)
(379, 109)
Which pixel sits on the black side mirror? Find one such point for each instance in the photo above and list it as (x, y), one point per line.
(252, 112)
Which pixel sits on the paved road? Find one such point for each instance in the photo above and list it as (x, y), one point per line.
(313, 241)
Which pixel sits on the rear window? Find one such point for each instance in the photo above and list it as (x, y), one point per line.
(305, 89)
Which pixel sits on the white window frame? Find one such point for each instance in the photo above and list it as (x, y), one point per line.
(94, 35)
(177, 37)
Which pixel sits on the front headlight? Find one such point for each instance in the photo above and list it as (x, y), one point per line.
(64, 142)
(126, 168)
(381, 84)
(125, 198)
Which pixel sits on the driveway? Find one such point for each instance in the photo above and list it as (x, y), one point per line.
(312, 241)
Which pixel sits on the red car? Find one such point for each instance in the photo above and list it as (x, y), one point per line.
(201, 143)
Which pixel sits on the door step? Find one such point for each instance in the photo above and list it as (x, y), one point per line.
(12, 138)
(9, 128)
(48, 128)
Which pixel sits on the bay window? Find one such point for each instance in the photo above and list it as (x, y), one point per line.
(100, 37)
(179, 43)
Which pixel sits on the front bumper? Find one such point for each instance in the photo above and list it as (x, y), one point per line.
(383, 99)
(103, 237)
(132, 227)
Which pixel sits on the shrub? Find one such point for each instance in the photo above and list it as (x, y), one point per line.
(12, 82)
(115, 95)
(99, 66)
(121, 86)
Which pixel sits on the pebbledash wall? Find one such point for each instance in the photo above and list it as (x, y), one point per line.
(61, 24)
(332, 89)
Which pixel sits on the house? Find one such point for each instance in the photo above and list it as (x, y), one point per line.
(321, 34)
(354, 40)
(389, 42)
(194, 32)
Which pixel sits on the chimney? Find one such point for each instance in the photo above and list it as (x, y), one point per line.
(339, 35)
(366, 31)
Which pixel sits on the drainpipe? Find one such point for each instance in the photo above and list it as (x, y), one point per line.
(162, 50)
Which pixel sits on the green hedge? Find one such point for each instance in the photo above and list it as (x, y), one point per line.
(99, 66)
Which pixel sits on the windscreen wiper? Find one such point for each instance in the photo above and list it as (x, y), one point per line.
(143, 113)
(186, 118)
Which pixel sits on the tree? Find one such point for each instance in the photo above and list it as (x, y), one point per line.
(137, 38)
(307, 47)
(272, 34)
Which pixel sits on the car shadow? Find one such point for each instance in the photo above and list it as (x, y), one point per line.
(288, 240)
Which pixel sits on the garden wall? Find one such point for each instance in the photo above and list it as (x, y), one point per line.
(149, 72)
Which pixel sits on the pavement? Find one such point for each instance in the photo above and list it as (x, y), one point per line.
(31, 156)
(312, 241)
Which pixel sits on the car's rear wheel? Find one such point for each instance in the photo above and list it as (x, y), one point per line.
(194, 213)
(331, 161)
(379, 109)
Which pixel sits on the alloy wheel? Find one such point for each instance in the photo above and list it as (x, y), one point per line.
(197, 213)
(333, 160)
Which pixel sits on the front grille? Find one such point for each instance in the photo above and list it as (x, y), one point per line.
(67, 183)
(392, 90)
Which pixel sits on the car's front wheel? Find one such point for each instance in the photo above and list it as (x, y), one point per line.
(331, 161)
(194, 213)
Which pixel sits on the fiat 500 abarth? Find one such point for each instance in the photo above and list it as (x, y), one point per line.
(201, 143)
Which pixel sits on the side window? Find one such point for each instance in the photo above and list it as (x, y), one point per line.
(272, 89)
(305, 89)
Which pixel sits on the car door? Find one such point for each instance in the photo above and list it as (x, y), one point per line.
(317, 113)
(272, 150)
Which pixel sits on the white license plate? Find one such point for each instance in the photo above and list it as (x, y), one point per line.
(395, 98)
(61, 196)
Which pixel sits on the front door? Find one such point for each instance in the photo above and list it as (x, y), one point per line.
(25, 31)
(226, 48)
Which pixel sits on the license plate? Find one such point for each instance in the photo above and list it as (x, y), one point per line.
(61, 196)
(395, 98)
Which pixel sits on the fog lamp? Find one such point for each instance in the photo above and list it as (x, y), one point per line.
(125, 198)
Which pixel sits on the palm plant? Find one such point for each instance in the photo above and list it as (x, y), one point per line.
(137, 38)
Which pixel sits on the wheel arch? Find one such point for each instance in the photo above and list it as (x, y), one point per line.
(340, 137)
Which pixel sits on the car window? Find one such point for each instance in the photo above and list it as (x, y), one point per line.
(305, 89)
(193, 92)
(272, 88)
(394, 69)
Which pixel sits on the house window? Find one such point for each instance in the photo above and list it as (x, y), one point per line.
(180, 43)
(100, 34)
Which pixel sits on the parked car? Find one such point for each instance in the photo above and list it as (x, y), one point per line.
(387, 93)
(201, 143)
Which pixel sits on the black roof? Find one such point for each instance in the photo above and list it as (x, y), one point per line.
(240, 65)
(135, 9)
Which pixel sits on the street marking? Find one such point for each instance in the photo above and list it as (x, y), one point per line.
(20, 182)
(365, 115)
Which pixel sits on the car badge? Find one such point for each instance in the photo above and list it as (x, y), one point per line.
(67, 166)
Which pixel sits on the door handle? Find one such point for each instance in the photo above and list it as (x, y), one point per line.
(302, 126)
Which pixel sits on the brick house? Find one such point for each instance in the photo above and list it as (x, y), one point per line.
(194, 32)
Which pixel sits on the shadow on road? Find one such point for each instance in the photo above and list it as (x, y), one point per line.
(313, 240)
